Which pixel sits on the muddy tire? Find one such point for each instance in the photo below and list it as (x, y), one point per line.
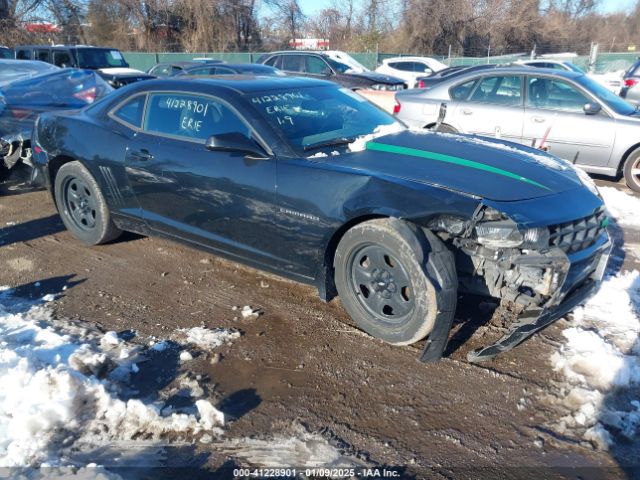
(632, 171)
(82, 206)
(395, 280)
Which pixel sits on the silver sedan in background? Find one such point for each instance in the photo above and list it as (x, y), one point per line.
(575, 117)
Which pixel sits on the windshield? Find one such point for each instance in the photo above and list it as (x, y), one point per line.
(337, 66)
(257, 69)
(574, 67)
(100, 58)
(21, 69)
(319, 115)
(614, 102)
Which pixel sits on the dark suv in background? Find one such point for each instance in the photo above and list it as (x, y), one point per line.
(321, 66)
(109, 63)
(631, 88)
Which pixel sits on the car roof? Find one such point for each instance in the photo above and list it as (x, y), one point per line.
(407, 59)
(11, 61)
(189, 63)
(235, 65)
(294, 52)
(239, 83)
(65, 46)
(516, 69)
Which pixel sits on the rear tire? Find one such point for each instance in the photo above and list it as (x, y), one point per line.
(82, 206)
(632, 171)
(395, 280)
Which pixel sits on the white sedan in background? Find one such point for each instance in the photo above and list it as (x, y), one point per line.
(410, 68)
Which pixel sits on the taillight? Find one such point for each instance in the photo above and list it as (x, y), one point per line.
(88, 95)
(630, 82)
(421, 84)
(20, 114)
(396, 107)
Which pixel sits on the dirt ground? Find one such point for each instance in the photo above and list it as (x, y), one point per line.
(303, 362)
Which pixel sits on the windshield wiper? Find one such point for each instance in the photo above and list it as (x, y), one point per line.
(329, 143)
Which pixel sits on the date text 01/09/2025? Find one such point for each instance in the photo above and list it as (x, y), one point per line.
(317, 472)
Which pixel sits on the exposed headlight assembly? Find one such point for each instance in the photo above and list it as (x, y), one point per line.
(505, 234)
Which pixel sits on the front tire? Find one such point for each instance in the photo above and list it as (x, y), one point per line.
(82, 206)
(632, 171)
(395, 280)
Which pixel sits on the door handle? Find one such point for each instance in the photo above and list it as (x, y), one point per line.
(538, 119)
(141, 155)
(466, 111)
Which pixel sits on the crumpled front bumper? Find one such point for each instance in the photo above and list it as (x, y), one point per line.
(583, 274)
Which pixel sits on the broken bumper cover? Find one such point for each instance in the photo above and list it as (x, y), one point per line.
(582, 280)
(580, 275)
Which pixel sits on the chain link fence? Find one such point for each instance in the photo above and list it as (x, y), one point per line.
(604, 62)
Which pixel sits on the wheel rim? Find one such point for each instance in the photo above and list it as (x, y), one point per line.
(635, 171)
(381, 284)
(80, 203)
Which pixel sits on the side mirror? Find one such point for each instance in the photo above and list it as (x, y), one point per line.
(592, 108)
(234, 142)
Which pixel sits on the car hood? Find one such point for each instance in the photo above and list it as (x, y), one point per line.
(479, 166)
(376, 77)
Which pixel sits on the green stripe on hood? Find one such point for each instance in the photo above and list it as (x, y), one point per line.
(414, 152)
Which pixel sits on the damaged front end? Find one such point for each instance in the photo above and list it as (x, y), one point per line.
(547, 271)
(15, 149)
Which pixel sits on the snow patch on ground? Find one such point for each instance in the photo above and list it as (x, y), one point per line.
(601, 364)
(301, 449)
(360, 143)
(209, 339)
(625, 207)
(66, 388)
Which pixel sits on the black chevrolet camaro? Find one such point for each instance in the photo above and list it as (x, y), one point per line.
(308, 180)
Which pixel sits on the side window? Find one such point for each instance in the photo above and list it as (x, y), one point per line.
(23, 55)
(42, 55)
(499, 90)
(462, 91)
(554, 94)
(316, 66)
(162, 71)
(222, 71)
(192, 117)
(422, 68)
(175, 69)
(291, 63)
(62, 59)
(202, 71)
(131, 112)
(272, 61)
(404, 66)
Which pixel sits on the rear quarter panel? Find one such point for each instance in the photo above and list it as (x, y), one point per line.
(98, 143)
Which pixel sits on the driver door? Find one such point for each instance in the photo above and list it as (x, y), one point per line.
(556, 106)
(219, 198)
